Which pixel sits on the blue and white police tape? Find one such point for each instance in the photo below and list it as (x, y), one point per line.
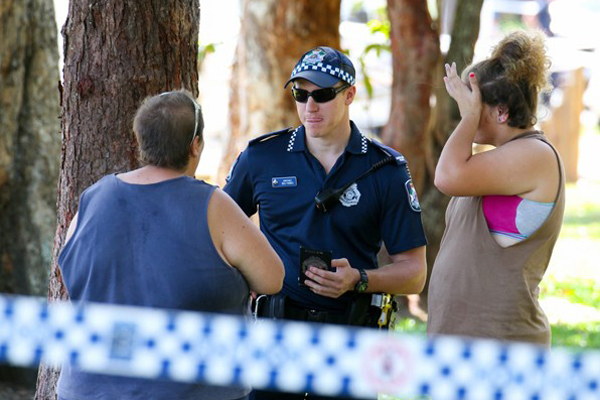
(288, 356)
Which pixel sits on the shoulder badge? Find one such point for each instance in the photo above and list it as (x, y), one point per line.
(411, 193)
(264, 138)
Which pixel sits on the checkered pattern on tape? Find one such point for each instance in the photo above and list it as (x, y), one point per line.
(292, 356)
(325, 68)
(453, 368)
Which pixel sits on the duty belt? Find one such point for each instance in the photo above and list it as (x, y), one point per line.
(300, 313)
(365, 310)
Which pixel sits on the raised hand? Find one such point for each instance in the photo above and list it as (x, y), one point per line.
(467, 96)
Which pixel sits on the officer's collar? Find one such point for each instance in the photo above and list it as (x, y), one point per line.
(358, 142)
(356, 145)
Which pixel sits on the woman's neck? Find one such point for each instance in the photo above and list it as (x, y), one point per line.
(510, 133)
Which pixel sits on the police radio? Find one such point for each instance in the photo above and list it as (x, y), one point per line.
(327, 197)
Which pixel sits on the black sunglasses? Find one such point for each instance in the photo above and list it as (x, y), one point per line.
(320, 95)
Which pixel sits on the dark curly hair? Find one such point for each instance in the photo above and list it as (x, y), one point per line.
(164, 127)
(514, 75)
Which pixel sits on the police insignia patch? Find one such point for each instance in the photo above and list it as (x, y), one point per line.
(350, 196)
(413, 200)
(315, 56)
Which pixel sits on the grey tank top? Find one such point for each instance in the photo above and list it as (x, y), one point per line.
(480, 289)
(147, 245)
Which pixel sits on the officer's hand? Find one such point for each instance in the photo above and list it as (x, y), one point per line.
(332, 284)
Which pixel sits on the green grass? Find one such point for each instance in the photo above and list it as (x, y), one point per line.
(586, 292)
(410, 325)
(576, 290)
(580, 336)
(582, 213)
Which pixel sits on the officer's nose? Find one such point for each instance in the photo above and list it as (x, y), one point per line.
(311, 105)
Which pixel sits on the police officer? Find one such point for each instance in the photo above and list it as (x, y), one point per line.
(326, 187)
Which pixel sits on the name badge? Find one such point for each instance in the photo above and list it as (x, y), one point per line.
(284, 181)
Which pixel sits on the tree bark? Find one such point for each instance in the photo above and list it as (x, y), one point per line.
(415, 53)
(116, 54)
(273, 36)
(445, 117)
(415, 128)
(29, 151)
(29, 144)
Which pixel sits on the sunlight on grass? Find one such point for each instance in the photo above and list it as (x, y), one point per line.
(577, 322)
(410, 325)
(581, 291)
(582, 212)
(582, 336)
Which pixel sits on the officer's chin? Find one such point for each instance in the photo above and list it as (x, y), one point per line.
(314, 130)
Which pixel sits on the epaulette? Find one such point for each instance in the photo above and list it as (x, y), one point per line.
(388, 151)
(268, 136)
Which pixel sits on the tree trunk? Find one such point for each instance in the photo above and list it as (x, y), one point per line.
(116, 54)
(29, 144)
(414, 128)
(273, 36)
(29, 151)
(415, 54)
(445, 116)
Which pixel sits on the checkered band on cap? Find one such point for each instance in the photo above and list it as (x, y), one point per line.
(325, 68)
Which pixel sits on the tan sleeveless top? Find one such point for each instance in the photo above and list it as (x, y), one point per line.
(480, 289)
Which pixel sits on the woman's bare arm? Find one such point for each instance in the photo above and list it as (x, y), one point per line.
(243, 245)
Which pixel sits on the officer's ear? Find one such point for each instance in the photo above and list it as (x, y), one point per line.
(350, 93)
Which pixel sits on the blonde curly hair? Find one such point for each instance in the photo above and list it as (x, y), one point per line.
(514, 75)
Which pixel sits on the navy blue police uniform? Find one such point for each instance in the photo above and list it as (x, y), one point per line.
(279, 177)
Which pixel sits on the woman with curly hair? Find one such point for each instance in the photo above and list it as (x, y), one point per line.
(508, 202)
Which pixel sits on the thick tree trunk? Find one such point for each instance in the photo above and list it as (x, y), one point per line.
(116, 54)
(29, 144)
(445, 117)
(415, 54)
(273, 36)
(414, 128)
(29, 151)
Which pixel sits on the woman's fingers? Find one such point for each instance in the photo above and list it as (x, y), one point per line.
(473, 81)
(451, 70)
(451, 80)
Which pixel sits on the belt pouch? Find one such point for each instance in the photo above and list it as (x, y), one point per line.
(358, 310)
